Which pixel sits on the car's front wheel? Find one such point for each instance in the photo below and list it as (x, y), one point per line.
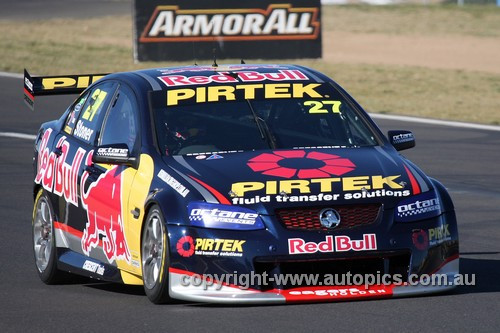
(44, 242)
(154, 252)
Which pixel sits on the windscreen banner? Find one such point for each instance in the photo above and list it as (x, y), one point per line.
(199, 29)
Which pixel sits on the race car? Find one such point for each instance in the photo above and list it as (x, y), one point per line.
(215, 183)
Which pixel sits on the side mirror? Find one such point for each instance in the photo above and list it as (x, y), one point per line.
(114, 154)
(401, 139)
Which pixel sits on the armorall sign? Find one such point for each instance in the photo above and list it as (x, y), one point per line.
(200, 29)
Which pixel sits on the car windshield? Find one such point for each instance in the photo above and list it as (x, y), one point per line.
(259, 123)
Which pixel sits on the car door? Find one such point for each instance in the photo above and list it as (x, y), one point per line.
(107, 187)
(75, 143)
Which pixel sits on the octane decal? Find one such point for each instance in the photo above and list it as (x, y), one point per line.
(186, 247)
(223, 217)
(242, 92)
(421, 207)
(331, 244)
(103, 203)
(225, 77)
(54, 174)
(295, 163)
(403, 137)
(278, 22)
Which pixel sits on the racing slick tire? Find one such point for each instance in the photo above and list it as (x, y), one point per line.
(44, 247)
(154, 251)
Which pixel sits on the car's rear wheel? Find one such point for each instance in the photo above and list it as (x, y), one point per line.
(154, 255)
(44, 246)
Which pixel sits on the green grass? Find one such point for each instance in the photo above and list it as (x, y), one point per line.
(105, 45)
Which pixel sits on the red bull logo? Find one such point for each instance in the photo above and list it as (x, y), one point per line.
(103, 203)
(53, 171)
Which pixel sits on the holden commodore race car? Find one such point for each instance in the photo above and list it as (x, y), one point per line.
(186, 179)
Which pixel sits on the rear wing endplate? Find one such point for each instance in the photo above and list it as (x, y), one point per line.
(55, 85)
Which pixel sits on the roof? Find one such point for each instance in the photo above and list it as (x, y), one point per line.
(172, 77)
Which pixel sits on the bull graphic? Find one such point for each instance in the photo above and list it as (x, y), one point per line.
(103, 203)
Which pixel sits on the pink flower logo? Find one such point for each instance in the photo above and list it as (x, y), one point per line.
(296, 163)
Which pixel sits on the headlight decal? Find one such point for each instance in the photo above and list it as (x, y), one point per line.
(216, 216)
(419, 207)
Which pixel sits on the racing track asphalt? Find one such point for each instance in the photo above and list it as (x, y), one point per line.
(465, 160)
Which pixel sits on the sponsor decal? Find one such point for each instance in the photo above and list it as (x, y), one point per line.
(296, 163)
(73, 81)
(113, 152)
(103, 203)
(314, 170)
(214, 157)
(200, 156)
(78, 107)
(93, 267)
(403, 137)
(439, 235)
(242, 92)
(223, 216)
(338, 292)
(28, 84)
(420, 239)
(187, 246)
(173, 183)
(332, 244)
(81, 131)
(420, 207)
(225, 77)
(361, 187)
(278, 22)
(54, 173)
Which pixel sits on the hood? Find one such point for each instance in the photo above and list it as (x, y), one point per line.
(268, 180)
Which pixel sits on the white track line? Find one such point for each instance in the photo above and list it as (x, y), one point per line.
(12, 75)
(18, 135)
(435, 122)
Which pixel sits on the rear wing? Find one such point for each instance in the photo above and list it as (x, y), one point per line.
(55, 85)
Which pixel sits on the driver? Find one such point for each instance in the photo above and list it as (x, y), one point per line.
(188, 127)
(185, 131)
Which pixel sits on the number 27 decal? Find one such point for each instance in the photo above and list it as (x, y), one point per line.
(323, 106)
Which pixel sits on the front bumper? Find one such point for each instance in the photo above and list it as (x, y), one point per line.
(409, 249)
(234, 295)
